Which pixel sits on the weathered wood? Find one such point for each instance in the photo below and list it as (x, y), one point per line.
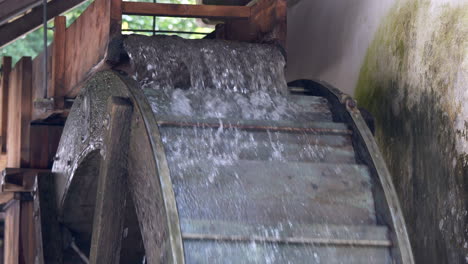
(56, 88)
(48, 233)
(19, 180)
(31, 21)
(300, 192)
(179, 10)
(310, 231)
(38, 74)
(267, 24)
(19, 114)
(12, 232)
(94, 21)
(111, 193)
(27, 232)
(159, 219)
(6, 69)
(44, 140)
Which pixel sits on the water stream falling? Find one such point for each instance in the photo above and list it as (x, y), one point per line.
(237, 182)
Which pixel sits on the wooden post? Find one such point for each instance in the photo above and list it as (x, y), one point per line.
(111, 190)
(48, 233)
(44, 141)
(19, 114)
(56, 89)
(6, 69)
(19, 231)
(115, 27)
(27, 232)
(12, 232)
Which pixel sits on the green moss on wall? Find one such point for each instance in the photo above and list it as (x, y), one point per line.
(413, 80)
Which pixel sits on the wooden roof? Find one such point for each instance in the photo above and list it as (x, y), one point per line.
(18, 17)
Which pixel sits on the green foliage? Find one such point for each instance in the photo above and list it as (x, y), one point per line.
(32, 44)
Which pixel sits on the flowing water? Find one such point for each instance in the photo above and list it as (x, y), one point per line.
(236, 182)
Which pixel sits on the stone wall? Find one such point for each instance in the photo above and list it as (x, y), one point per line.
(414, 80)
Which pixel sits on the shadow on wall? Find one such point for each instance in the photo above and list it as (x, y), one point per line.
(415, 82)
(328, 40)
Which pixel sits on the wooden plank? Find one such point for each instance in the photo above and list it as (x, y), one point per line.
(12, 233)
(205, 251)
(6, 69)
(19, 114)
(39, 91)
(179, 10)
(111, 193)
(33, 20)
(329, 128)
(27, 232)
(56, 88)
(278, 230)
(304, 148)
(268, 192)
(94, 21)
(48, 233)
(44, 140)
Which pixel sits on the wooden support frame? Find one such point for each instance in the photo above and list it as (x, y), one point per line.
(19, 231)
(267, 24)
(6, 70)
(19, 114)
(179, 10)
(111, 190)
(56, 88)
(263, 21)
(19, 180)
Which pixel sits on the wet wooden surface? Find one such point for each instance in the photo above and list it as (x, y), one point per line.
(111, 189)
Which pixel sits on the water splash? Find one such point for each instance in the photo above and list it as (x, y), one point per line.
(236, 181)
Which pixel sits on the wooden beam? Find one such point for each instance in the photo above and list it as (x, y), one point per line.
(12, 232)
(115, 28)
(11, 8)
(19, 114)
(111, 190)
(56, 88)
(19, 180)
(49, 243)
(176, 10)
(27, 232)
(6, 69)
(33, 20)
